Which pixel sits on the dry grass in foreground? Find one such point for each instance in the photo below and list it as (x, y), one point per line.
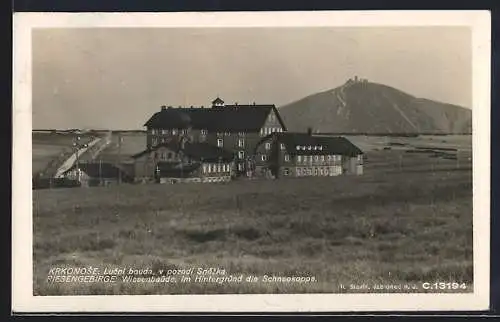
(398, 223)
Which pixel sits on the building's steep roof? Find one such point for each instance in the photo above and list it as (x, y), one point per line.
(229, 118)
(306, 144)
(207, 152)
(218, 100)
(200, 151)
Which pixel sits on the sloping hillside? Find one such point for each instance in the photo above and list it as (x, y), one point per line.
(365, 107)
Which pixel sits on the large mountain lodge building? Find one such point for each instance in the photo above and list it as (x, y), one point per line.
(241, 140)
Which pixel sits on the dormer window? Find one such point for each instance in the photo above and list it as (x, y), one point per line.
(309, 148)
(174, 131)
(297, 147)
(203, 132)
(282, 146)
(268, 145)
(241, 133)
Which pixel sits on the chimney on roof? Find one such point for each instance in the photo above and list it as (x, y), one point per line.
(163, 107)
(309, 131)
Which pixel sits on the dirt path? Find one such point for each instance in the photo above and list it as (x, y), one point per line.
(72, 159)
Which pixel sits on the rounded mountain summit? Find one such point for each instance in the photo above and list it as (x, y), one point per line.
(363, 107)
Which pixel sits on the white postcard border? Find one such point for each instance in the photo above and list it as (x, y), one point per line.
(22, 239)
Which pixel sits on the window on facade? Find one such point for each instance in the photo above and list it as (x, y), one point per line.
(360, 157)
(241, 154)
(282, 146)
(155, 141)
(241, 133)
(264, 157)
(220, 143)
(203, 132)
(240, 167)
(299, 158)
(174, 131)
(287, 157)
(326, 171)
(268, 145)
(309, 171)
(320, 171)
(220, 134)
(218, 168)
(204, 168)
(227, 133)
(316, 158)
(329, 158)
(315, 171)
(286, 171)
(241, 143)
(322, 158)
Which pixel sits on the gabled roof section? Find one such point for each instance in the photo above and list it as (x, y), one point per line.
(229, 118)
(218, 100)
(305, 144)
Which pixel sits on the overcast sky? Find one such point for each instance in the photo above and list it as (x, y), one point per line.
(116, 78)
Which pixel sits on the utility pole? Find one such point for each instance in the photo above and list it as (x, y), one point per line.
(119, 158)
(100, 171)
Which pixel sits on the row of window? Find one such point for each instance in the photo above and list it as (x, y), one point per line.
(309, 147)
(322, 158)
(185, 131)
(241, 143)
(204, 132)
(268, 146)
(320, 171)
(216, 168)
(168, 132)
(268, 130)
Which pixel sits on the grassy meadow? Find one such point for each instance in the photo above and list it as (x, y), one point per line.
(408, 219)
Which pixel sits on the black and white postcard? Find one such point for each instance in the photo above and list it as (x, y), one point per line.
(251, 161)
